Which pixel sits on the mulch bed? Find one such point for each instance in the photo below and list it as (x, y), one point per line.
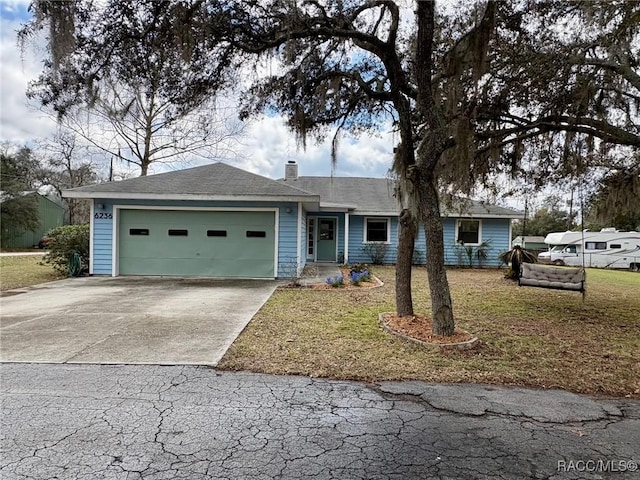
(420, 327)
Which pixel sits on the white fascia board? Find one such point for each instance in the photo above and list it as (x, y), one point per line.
(485, 215)
(187, 196)
(333, 209)
(449, 215)
(332, 206)
(375, 214)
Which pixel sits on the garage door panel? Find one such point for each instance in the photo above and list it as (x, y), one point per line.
(197, 267)
(228, 252)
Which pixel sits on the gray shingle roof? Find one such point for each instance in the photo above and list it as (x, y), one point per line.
(217, 179)
(375, 195)
(363, 194)
(360, 195)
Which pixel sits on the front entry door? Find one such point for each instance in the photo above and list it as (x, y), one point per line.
(326, 240)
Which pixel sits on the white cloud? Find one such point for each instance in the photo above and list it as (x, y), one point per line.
(20, 122)
(269, 145)
(265, 148)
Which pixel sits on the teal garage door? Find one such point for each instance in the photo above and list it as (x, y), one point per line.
(196, 243)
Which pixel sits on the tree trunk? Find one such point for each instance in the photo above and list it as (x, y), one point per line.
(430, 150)
(441, 305)
(407, 229)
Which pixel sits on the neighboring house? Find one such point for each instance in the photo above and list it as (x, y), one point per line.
(51, 215)
(530, 242)
(221, 221)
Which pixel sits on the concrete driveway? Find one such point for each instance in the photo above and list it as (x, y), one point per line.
(133, 320)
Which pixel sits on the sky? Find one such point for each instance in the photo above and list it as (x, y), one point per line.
(266, 146)
(264, 149)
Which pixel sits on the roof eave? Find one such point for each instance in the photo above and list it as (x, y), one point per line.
(374, 213)
(190, 196)
(484, 215)
(448, 215)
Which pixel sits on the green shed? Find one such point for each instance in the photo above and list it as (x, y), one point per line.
(51, 215)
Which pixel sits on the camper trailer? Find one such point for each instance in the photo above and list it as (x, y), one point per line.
(607, 248)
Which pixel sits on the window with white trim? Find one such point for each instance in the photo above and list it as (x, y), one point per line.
(376, 230)
(469, 232)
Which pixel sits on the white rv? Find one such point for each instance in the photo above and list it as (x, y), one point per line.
(607, 248)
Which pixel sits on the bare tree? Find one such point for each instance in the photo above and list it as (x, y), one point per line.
(67, 164)
(130, 80)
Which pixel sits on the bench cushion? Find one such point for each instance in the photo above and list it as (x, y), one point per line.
(562, 278)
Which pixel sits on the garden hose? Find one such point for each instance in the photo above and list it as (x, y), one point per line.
(75, 265)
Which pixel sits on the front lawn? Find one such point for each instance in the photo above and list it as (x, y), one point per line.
(24, 271)
(530, 336)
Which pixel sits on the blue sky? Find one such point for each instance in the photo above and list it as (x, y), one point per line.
(264, 149)
(14, 10)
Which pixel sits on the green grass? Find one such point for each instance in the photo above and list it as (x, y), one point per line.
(529, 336)
(24, 271)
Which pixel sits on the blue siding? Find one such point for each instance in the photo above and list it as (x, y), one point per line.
(496, 231)
(103, 241)
(287, 236)
(356, 240)
(103, 228)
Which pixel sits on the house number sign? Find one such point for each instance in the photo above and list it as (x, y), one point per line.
(107, 216)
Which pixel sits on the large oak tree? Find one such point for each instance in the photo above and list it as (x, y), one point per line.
(477, 90)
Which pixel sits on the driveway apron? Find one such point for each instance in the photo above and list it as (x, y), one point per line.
(132, 320)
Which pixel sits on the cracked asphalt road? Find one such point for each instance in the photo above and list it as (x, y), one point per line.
(189, 422)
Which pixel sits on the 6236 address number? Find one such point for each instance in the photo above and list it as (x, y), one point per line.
(107, 216)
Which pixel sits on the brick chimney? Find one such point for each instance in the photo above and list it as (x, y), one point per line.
(291, 170)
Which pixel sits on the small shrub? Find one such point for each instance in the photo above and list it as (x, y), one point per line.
(356, 278)
(516, 257)
(376, 251)
(460, 253)
(467, 254)
(482, 252)
(358, 267)
(335, 282)
(292, 271)
(67, 244)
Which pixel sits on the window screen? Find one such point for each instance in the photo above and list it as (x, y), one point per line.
(377, 230)
(469, 231)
